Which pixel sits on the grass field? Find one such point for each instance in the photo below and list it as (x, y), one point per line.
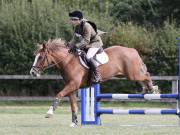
(25, 118)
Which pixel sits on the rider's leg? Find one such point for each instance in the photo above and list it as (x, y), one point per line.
(90, 54)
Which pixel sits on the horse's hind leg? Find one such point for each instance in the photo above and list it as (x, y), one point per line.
(74, 108)
(148, 86)
(144, 87)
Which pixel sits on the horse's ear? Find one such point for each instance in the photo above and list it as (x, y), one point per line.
(39, 46)
(44, 46)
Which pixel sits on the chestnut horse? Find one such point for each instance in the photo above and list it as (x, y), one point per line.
(123, 62)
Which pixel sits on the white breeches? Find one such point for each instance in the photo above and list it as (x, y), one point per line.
(91, 52)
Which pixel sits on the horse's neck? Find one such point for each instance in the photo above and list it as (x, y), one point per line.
(67, 66)
(62, 57)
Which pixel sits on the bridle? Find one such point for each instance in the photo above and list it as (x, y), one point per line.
(45, 58)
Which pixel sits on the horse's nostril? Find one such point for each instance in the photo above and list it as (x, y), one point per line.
(32, 73)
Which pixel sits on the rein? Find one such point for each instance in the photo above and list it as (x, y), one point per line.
(52, 65)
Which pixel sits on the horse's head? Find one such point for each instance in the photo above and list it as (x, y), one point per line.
(42, 60)
(49, 54)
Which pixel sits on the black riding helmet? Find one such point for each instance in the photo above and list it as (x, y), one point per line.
(76, 15)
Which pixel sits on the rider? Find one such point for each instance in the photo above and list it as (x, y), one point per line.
(86, 37)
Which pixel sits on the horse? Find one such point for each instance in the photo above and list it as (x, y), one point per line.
(123, 62)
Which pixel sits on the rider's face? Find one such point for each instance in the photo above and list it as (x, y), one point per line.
(75, 22)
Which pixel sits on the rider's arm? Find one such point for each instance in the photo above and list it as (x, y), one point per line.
(72, 41)
(85, 40)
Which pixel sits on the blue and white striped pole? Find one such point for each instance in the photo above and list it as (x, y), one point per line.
(140, 111)
(138, 96)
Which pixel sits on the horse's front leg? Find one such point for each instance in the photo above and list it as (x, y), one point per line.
(74, 108)
(69, 88)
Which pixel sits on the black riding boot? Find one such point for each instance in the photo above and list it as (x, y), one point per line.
(93, 66)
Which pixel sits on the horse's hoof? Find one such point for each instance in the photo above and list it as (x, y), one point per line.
(155, 90)
(48, 115)
(73, 124)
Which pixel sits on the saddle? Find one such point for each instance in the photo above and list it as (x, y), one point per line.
(101, 58)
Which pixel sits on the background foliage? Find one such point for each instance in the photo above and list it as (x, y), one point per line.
(150, 26)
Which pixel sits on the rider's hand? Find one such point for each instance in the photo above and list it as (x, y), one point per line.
(72, 50)
(68, 44)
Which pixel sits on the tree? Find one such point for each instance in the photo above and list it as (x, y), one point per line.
(146, 11)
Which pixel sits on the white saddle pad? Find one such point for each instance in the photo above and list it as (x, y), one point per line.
(100, 58)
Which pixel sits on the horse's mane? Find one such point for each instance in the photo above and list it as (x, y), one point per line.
(54, 44)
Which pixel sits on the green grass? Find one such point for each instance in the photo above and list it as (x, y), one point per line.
(104, 103)
(28, 119)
